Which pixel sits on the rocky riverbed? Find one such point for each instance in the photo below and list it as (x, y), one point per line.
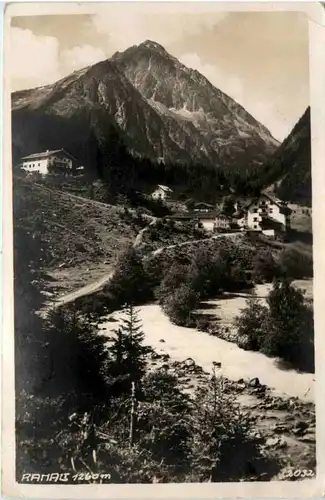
(284, 426)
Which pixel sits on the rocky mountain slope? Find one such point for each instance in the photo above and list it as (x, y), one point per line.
(289, 170)
(162, 109)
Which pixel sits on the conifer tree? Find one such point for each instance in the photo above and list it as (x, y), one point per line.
(127, 354)
(219, 428)
(130, 282)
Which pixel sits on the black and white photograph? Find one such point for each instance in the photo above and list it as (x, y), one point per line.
(163, 270)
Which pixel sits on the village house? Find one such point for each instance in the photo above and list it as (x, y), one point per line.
(205, 220)
(57, 161)
(203, 207)
(161, 193)
(222, 223)
(268, 214)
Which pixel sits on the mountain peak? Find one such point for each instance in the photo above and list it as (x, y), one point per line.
(150, 44)
(163, 109)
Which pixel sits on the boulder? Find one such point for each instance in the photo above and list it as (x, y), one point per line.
(254, 382)
(301, 425)
(162, 340)
(279, 428)
(298, 432)
(308, 438)
(276, 442)
(256, 435)
(189, 363)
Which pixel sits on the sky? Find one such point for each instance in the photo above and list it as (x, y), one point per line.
(260, 59)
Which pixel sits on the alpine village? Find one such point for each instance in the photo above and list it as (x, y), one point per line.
(163, 281)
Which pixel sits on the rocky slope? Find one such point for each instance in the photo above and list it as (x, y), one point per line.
(161, 108)
(290, 168)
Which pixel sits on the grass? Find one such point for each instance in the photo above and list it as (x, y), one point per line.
(76, 231)
(163, 233)
(301, 218)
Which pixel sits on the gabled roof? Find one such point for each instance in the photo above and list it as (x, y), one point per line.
(269, 222)
(194, 215)
(207, 215)
(220, 215)
(270, 196)
(202, 204)
(46, 154)
(239, 214)
(165, 188)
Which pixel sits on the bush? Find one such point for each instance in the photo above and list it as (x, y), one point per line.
(283, 329)
(162, 419)
(200, 275)
(290, 331)
(203, 324)
(174, 277)
(179, 304)
(129, 284)
(252, 324)
(206, 273)
(295, 264)
(75, 354)
(219, 430)
(264, 267)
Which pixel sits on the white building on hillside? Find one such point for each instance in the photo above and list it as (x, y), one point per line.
(162, 193)
(57, 161)
(267, 211)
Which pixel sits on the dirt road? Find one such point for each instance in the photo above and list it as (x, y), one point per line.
(81, 292)
(191, 242)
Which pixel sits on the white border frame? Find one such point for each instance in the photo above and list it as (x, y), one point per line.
(301, 489)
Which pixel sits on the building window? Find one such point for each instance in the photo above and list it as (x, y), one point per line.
(255, 226)
(263, 202)
(271, 210)
(255, 210)
(255, 219)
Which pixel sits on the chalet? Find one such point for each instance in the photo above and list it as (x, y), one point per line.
(203, 207)
(267, 212)
(161, 193)
(205, 220)
(222, 223)
(57, 161)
